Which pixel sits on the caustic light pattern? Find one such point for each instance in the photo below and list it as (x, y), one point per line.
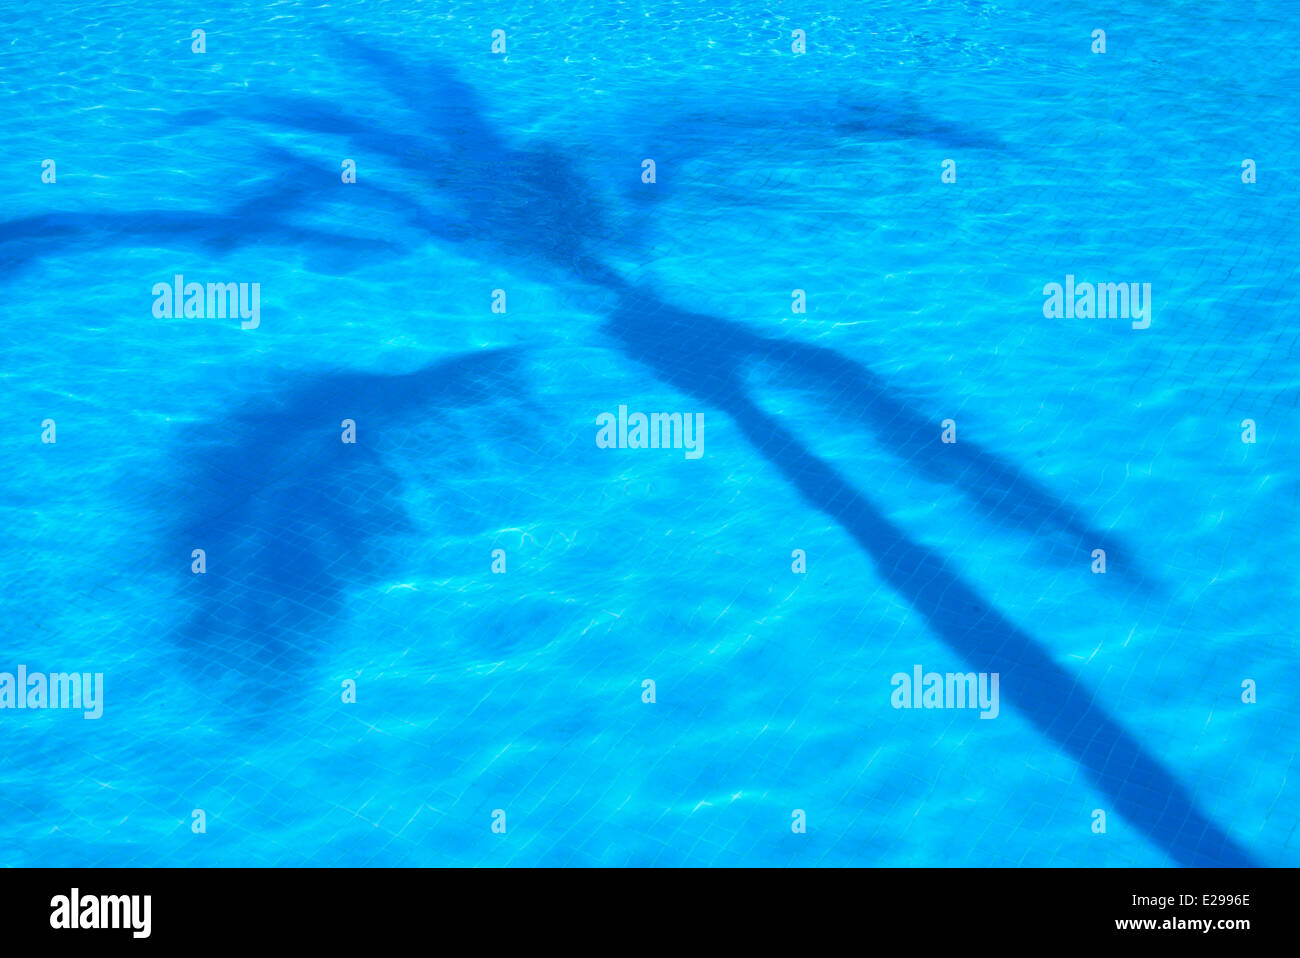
(490, 434)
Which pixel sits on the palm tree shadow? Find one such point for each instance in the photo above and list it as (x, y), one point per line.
(544, 210)
(552, 219)
(268, 493)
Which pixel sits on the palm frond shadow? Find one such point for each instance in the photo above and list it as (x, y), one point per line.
(286, 512)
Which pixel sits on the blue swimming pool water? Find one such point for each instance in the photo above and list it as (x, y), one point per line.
(522, 691)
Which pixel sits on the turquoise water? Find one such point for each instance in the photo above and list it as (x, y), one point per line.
(476, 431)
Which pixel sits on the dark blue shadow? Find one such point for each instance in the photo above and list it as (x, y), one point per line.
(286, 510)
(705, 364)
(544, 209)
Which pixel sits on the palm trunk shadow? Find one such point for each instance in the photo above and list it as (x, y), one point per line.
(1138, 787)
